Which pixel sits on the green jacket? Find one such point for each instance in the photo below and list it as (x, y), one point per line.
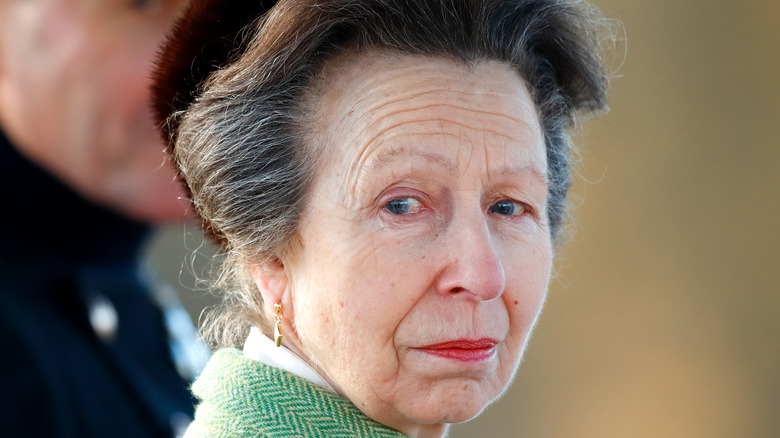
(241, 397)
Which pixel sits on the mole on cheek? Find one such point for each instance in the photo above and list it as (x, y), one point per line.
(517, 302)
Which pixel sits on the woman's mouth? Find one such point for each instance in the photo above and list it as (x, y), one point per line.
(465, 350)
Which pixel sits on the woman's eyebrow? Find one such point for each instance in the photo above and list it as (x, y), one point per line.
(394, 155)
(526, 171)
(388, 157)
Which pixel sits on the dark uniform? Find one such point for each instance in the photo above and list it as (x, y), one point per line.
(84, 348)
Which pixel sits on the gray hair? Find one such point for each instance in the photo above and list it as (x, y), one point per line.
(242, 147)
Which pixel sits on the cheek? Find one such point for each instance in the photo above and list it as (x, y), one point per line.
(372, 285)
(126, 80)
(527, 284)
(378, 275)
(355, 284)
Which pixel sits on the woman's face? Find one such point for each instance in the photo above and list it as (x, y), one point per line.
(425, 254)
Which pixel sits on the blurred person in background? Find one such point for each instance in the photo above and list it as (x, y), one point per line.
(87, 344)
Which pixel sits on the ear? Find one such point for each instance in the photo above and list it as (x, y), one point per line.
(272, 281)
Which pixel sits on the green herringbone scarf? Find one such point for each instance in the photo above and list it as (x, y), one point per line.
(241, 397)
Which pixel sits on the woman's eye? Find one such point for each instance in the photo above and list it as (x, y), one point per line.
(402, 206)
(143, 5)
(508, 208)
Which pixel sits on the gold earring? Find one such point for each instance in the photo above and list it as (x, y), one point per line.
(278, 327)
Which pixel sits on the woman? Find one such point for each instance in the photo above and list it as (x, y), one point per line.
(387, 179)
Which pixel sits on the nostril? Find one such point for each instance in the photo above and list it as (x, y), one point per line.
(456, 290)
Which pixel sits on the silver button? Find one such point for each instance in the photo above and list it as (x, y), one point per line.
(103, 317)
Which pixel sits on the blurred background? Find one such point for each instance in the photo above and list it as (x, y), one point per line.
(664, 317)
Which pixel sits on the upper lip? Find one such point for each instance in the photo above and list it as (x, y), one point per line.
(462, 344)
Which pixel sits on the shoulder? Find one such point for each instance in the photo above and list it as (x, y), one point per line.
(243, 397)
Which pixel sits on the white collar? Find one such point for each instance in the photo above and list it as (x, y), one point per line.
(262, 349)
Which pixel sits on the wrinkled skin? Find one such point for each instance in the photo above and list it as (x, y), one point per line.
(74, 77)
(426, 224)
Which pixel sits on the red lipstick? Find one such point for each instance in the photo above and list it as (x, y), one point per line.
(466, 350)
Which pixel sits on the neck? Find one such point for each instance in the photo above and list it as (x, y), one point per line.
(292, 343)
(438, 430)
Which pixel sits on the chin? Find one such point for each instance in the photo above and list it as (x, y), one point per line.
(454, 408)
(462, 415)
(465, 412)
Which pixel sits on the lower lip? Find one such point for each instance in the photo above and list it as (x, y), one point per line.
(464, 351)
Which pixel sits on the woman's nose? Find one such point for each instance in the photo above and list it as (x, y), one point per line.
(474, 267)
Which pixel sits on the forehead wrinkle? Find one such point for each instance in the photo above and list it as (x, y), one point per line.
(364, 163)
(367, 164)
(355, 170)
(462, 95)
(391, 156)
(373, 104)
(442, 122)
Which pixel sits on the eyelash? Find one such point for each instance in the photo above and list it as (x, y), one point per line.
(524, 208)
(415, 206)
